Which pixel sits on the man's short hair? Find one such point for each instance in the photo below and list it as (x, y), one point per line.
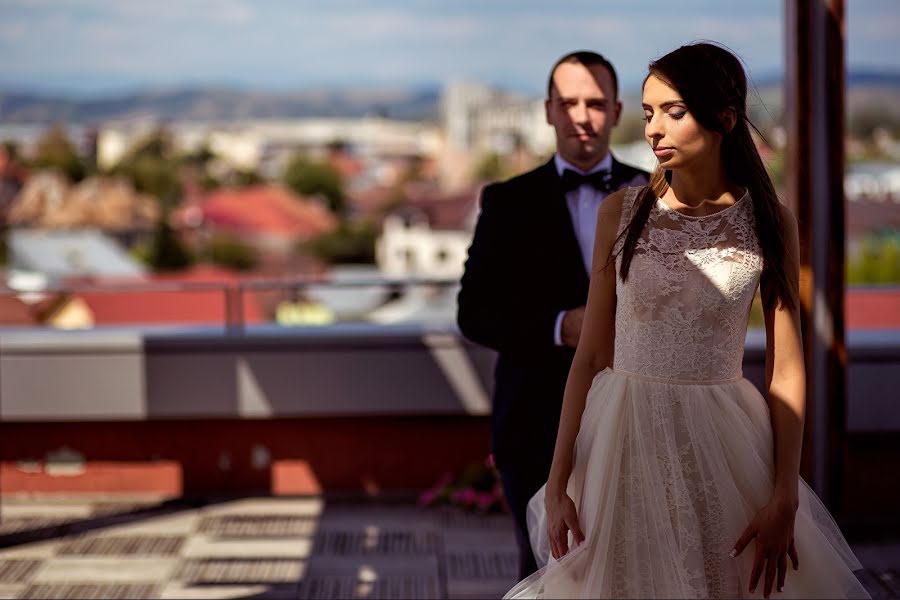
(588, 59)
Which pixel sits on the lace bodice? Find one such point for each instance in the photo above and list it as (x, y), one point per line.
(682, 313)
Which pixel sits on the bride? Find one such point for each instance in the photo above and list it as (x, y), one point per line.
(672, 476)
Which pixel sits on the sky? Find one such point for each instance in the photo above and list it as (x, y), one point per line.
(100, 47)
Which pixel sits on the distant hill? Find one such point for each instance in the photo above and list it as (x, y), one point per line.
(869, 91)
(212, 104)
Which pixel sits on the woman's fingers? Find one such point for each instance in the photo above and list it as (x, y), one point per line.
(759, 561)
(782, 571)
(575, 527)
(559, 541)
(770, 576)
(795, 560)
(749, 534)
(564, 519)
(554, 543)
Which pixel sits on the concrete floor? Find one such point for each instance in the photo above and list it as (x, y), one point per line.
(262, 547)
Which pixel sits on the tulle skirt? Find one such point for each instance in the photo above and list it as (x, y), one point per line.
(666, 476)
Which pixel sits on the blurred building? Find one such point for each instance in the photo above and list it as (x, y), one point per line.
(478, 118)
(49, 201)
(265, 145)
(428, 236)
(57, 255)
(12, 178)
(873, 181)
(270, 217)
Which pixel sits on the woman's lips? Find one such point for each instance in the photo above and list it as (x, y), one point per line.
(662, 151)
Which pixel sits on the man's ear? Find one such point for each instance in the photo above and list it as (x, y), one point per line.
(547, 111)
(618, 112)
(728, 118)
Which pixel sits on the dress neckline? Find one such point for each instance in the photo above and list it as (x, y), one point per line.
(666, 208)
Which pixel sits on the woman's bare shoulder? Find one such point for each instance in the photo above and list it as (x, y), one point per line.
(615, 202)
(611, 211)
(788, 219)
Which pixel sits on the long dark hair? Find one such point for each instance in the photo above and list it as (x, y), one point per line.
(711, 81)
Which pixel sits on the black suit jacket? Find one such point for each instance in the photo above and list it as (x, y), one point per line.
(524, 267)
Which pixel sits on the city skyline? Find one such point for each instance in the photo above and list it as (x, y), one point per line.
(98, 47)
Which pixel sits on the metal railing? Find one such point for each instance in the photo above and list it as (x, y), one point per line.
(234, 292)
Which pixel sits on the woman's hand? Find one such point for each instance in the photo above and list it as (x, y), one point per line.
(773, 528)
(561, 518)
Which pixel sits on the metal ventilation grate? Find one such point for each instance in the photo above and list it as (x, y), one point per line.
(382, 542)
(51, 591)
(240, 571)
(327, 587)
(240, 526)
(17, 571)
(124, 546)
(476, 564)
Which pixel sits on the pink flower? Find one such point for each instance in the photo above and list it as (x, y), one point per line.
(469, 496)
(485, 500)
(427, 498)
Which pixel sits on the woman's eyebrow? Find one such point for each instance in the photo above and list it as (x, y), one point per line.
(666, 104)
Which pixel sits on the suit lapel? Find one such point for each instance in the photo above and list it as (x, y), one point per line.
(561, 227)
(623, 175)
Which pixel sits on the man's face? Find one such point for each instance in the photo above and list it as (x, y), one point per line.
(583, 110)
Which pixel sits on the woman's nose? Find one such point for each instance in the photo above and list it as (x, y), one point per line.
(653, 128)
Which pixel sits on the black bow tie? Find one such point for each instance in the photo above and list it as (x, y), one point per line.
(601, 180)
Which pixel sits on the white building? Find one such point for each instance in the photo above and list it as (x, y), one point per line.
(266, 144)
(873, 181)
(412, 249)
(477, 117)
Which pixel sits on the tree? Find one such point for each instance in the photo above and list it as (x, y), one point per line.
(55, 151)
(166, 252)
(245, 178)
(309, 178)
(350, 243)
(11, 147)
(877, 261)
(630, 128)
(775, 166)
(491, 167)
(231, 253)
(152, 169)
(4, 247)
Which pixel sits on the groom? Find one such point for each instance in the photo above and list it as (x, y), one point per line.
(526, 278)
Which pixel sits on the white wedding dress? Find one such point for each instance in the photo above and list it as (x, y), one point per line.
(674, 456)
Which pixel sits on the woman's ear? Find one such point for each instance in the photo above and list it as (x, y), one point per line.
(728, 118)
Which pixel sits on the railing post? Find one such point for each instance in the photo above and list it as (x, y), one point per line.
(234, 313)
(814, 117)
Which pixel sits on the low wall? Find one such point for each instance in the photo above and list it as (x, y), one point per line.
(348, 407)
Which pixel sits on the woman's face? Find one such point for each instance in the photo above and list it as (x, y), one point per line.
(677, 139)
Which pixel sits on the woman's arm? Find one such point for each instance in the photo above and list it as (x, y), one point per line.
(594, 353)
(773, 526)
(785, 373)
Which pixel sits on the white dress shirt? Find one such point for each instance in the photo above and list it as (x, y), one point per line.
(583, 204)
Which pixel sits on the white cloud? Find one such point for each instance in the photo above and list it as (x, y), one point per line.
(298, 42)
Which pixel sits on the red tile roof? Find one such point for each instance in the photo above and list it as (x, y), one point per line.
(164, 307)
(265, 209)
(873, 308)
(15, 312)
